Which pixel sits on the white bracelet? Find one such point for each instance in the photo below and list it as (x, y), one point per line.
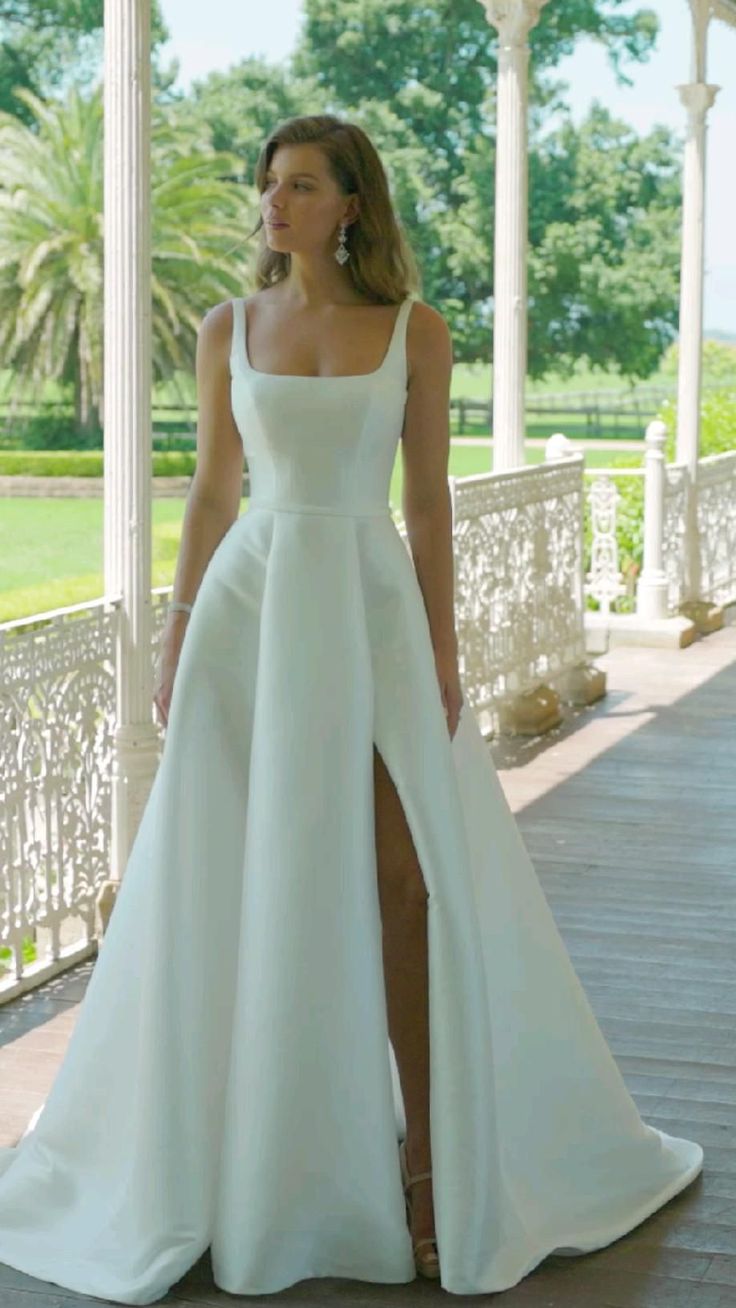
(178, 606)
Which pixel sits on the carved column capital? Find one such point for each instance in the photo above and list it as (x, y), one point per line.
(513, 19)
(698, 97)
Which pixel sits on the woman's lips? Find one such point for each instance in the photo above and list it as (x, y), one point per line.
(275, 224)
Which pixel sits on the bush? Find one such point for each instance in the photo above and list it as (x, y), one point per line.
(161, 441)
(718, 360)
(86, 463)
(717, 423)
(50, 463)
(46, 431)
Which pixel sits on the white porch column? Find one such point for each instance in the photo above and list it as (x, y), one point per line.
(127, 410)
(697, 97)
(513, 19)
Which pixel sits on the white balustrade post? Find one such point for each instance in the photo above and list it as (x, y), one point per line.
(127, 412)
(513, 20)
(651, 592)
(697, 96)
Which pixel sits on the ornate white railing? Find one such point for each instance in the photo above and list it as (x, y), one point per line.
(518, 580)
(57, 720)
(662, 511)
(519, 597)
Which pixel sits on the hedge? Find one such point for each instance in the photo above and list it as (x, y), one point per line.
(86, 463)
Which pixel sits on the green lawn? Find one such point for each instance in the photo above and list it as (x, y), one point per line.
(51, 549)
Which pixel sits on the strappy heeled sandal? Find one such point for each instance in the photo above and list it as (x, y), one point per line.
(427, 1264)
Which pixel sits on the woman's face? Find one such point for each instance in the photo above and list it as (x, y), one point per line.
(301, 193)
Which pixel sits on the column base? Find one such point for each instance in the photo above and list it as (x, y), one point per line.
(605, 632)
(532, 713)
(706, 616)
(583, 684)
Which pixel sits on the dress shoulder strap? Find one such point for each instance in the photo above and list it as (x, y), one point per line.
(238, 352)
(396, 352)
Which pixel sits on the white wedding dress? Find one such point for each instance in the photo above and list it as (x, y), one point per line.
(230, 1081)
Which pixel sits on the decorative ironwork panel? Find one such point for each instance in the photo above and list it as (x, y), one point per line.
(57, 709)
(159, 608)
(57, 722)
(716, 501)
(517, 540)
(604, 578)
(673, 532)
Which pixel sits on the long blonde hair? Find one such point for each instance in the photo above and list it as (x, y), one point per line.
(382, 263)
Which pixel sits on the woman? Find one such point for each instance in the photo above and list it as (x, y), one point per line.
(329, 936)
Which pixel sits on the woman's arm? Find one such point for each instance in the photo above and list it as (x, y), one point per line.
(425, 496)
(213, 501)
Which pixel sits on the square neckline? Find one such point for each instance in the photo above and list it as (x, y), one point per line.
(309, 376)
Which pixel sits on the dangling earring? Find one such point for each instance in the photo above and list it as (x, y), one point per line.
(342, 254)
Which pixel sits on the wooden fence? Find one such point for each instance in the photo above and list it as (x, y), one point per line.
(590, 414)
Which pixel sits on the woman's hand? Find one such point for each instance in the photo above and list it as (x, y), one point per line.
(449, 680)
(170, 649)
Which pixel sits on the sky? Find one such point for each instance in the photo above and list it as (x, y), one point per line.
(217, 35)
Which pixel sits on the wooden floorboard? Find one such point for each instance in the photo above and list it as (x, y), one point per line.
(628, 810)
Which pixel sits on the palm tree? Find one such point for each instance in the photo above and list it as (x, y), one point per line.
(51, 246)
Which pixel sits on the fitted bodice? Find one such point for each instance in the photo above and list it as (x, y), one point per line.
(320, 444)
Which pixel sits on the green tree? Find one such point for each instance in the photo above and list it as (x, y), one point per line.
(234, 111)
(435, 60)
(45, 45)
(604, 235)
(51, 253)
(423, 76)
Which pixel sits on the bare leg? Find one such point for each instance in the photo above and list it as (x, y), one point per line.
(403, 899)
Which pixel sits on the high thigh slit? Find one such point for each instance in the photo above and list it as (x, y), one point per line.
(403, 899)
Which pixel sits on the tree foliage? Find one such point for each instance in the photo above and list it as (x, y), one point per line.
(718, 360)
(51, 253)
(420, 77)
(603, 204)
(45, 44)
(604, 235)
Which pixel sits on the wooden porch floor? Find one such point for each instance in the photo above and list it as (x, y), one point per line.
(628, 812)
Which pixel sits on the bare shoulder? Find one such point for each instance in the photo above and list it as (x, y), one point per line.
(215, 329)
(220, 453)
(428, 342)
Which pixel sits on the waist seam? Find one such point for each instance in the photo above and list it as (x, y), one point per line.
(282, 506)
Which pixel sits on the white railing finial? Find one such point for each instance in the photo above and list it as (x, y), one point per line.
(558, 446)
(656, 433)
